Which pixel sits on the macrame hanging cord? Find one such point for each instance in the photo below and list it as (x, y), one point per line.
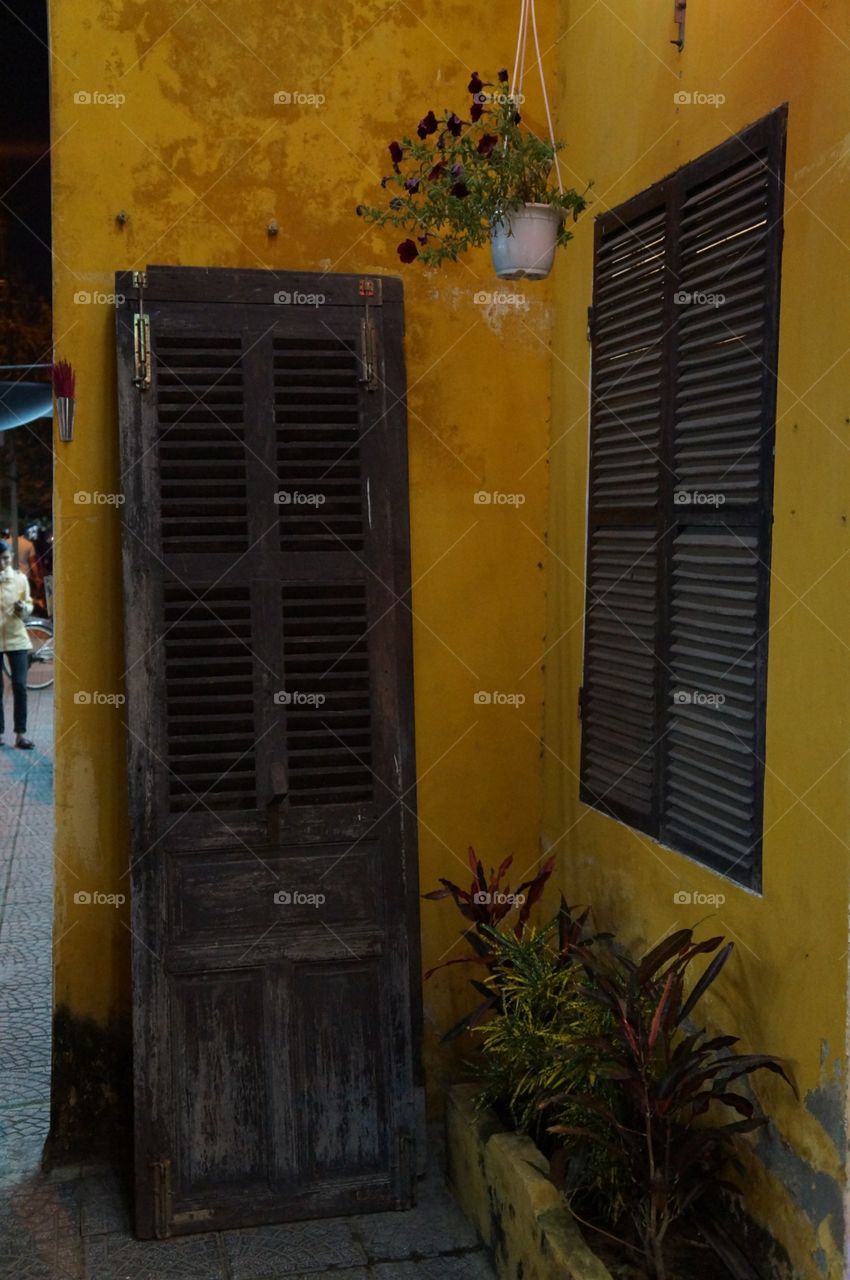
(527, 11)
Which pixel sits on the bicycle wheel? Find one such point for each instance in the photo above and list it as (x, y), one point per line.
(40, 674)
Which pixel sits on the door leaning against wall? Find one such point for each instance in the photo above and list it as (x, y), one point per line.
(271, 759)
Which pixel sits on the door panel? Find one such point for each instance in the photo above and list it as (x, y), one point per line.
(271, 758)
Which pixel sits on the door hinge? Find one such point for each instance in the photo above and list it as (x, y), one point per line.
(590, 324)
(141, 351)
(406, 1169)
(162, 1215)
(581, 702)
(141, 336)
(369, 353)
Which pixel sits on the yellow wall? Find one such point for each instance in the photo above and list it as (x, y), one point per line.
(786, 990)
(201, 159)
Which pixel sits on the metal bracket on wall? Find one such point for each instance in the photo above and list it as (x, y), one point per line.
(679, 7)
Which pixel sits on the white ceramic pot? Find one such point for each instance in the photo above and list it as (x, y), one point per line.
(522, 241)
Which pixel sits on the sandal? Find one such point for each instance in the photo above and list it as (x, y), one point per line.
(24, 743)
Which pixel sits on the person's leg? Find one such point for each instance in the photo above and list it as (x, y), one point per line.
(19, 664)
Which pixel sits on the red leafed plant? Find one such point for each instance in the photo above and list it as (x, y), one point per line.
(64, 379)
(486, 904)
(671, 1078)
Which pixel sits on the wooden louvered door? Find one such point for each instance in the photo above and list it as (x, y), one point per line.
(684, 330)
(269, 715)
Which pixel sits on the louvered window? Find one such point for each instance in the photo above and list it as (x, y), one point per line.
(684, 334)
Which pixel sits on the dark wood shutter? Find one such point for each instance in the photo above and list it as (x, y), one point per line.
(621, 641)
(701, 595)
(269, 714)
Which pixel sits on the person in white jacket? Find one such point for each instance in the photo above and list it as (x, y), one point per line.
(15, 644)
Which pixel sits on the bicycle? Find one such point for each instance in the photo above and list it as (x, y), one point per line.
(41, 657)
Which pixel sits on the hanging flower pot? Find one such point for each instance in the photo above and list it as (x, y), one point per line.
(523, 241)
(468, 178)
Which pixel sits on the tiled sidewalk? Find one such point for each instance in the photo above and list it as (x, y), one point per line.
(75, 1223)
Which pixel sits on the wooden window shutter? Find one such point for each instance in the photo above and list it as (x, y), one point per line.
(702, 600)
(728, 215)
(270, 721)
(620, 670)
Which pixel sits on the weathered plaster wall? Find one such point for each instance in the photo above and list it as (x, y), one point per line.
(200, 158)
(786, 990)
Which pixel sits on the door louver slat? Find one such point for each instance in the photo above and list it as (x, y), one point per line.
(209, 695)
(201, 446)
(317, 424)
(328, 708)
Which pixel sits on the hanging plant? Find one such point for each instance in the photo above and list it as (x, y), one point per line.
(464, 181)
(484, 175)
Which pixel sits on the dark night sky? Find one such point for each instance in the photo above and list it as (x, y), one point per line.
(24, 127)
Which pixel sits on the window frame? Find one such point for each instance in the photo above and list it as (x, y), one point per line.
(667, 195)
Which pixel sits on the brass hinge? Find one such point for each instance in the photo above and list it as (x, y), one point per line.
(141, 336)
(368, 353)
(141, 351)
(162, 1214)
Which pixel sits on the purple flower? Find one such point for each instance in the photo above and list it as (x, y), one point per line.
(503, 75)
(454, 124)
(428, 124)
(407, 251)
(423, 239)
(396, 153)
(359, 210)
(412, 184)
(476, 111)
(457, 169)
(476, 84)
(487, 143)
(437, 172)
(459, 189)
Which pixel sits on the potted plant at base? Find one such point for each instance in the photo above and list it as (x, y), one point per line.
(464, 181)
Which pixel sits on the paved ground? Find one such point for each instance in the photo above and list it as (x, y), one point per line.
(75, 1224)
